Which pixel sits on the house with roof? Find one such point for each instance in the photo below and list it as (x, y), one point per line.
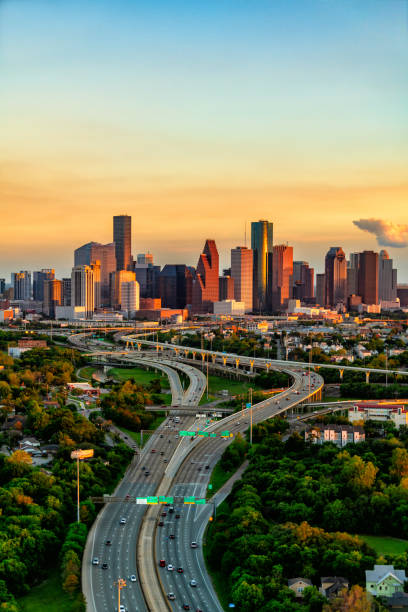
(298, 585)
(384, 580)
(338, 434)
(331, 586)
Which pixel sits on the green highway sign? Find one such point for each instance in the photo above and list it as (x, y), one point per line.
(152, 500)
(213, 435)
(166, 500)
(203, 433)
(200, 501)
(210, 486)
(225, 434)
(189, 500)
(187, 433)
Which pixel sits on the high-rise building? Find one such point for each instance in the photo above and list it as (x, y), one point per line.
(130, 296)
(242, 268)
(261, 245)
(2, 285)
(66, 292)
(52, 296)
(175, 284)
(96, 269)
(148, 277)
(21, 282)
(145, 258)
(387, 278)
(303, 281)
(122, 237)
(82, 289)
(206, 283)
(91, 252)
(117, 279)
(282, 273)
(226, 288)
(335, 277)
(38, 283)
(320, 289)
(368, 277)
(402, 295)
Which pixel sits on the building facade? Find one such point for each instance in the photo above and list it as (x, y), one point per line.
(21, 282)
(368, 277)
(117, 279)
(387, 278)
(122, 237)
(226, 288)
(261, 245)
(38, 283)
(130, 294)
(206, 283)
(242, 273)
(92, 252)
(335, 277)
(282, 274)
(52, 296)
(82, 289)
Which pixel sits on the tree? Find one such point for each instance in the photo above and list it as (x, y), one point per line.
(354, 599)
(399, 463)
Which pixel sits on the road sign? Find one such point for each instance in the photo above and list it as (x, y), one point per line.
(189, 500)
(248, 405)
(187, 433)
(82, 454)
(166, 500)
(203, 433)
(210, 486)
(225, 434)
(153, 500)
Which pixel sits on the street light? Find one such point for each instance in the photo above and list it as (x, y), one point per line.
(120, 584)
(80, 454)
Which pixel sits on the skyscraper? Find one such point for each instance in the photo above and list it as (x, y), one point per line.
(335, 277)
(91, 252)
(2, 285)
(130, 297)
(145, 258)
(122, 228)
(206, 284)
(66, 292)
(242, 273)
(175, 285)
(368, 277)
(303, 280)
(117, 279)
(226, 288)
(261, 245)
(282, 273)
(82, 289)
(38, 282)
(21, 282)
(52, 293)
(320, 289)
(387, 278)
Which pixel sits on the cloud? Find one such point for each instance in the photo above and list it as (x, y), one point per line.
(387, 233)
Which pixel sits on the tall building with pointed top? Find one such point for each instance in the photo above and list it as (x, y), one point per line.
(206, 283)
(122, 237)
(387, 278)
(261, 245)
(335, 271)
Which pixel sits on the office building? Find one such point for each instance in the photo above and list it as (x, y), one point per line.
(242, 268)
(82, 289)
(38, 283)
(145, 258)
(320, 289)
(21, 282)
(303, 281)
(117, 279)
(229, 308)
(282, 274)
(52, 296)
(130, 295)
(91, 252)
(387, 278)
(226, 288)
(66, 292)
(148, 277)
(368, 277)
(206, 283)
(2, 285)
(175, 286)
(261, 245)
(122, 237)
(96, 269)
(402, 294)
(335, 277)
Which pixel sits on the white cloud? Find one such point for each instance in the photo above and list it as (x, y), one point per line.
(387, 233)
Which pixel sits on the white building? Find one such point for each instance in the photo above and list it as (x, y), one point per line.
(70, 313)
(398, 413)
(229, 307)
(130, 293)
(83, 289)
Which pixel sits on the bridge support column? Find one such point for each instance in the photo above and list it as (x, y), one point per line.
(341, 374)
(251, 363)
(139, 346)
(237, 363)
(224, 361)
(194, 355)
(185, 353)
(268, 365)
(213, 357)
(367, 377)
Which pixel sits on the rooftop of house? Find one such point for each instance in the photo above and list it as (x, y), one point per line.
(380, 572)
(292, 581)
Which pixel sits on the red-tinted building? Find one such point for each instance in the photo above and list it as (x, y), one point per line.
(226, 285)
(368, 277)
(206, 283)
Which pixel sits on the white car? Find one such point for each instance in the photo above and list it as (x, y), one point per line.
(95, 561)
(170, 567)
(194, 545)
(193, 583)
(123, 521)
(133, 578)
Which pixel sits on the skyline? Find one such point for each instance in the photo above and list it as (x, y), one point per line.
(195, 119)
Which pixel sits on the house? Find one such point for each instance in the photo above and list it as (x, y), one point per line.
(298, 585)
(331, 586)
(398, 601)
(338, 434)
(380, 411)
(384, 580)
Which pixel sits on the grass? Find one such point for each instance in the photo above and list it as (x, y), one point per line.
(47, 596)
(86, 372)
(135, 435)
(140, 376)
(218, 478)
(385, 545)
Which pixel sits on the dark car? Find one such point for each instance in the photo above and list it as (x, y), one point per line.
(160, 524)
(147, 473)
(177, 516)
(104, 566)
(108, 543)
(207, 467)
(172, 536)
(164, 513)
(186, 607)
(180, 570)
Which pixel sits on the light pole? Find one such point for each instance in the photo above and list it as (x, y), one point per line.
(250, 399)
(386, 367)
(80, 454)
(207, 377)
(120, 584)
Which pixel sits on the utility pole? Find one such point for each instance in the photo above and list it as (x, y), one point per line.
(250, 399)
(80, 454)
(207, 376)
(120, 584)
(386, 367)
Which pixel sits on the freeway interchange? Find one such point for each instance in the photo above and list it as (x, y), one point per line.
(173, 466)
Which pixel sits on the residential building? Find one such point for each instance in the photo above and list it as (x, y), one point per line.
(335, 277)
(226, 288)
(130, 293)
(206, 283)
(282, 272)
(340, 435)
(52, 296)
(82, 289)
(242, 274)
(368, 277)
(261, 245)
(122, 237)
(384, 581)
(21, 282)
(88, 254)
(387, 278)
(38, 282)
(298, 585)
(116, 281)
(331, 586)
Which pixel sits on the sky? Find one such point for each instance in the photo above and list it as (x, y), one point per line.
(197, 118)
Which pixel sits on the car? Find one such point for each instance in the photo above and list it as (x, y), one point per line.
(177, 516)
(122, 608)
(172, 536)
(122, 521)
(193, 545)
(160, 524)
(171, 596)
(161, 435)
(143, 468)
(207, 467)
(186, 607)
(171, 509)
(162, 563)
(133, 578)
(164, 513)
(165, 460)
(108, 542)
(153, 450)
(199, 469)
(128, 496)
(180, 570)
(147, 473)
(104, 566)
(95, 561)
(193, 583)
(170, 567)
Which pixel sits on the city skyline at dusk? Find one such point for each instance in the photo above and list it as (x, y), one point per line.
(196, 120)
